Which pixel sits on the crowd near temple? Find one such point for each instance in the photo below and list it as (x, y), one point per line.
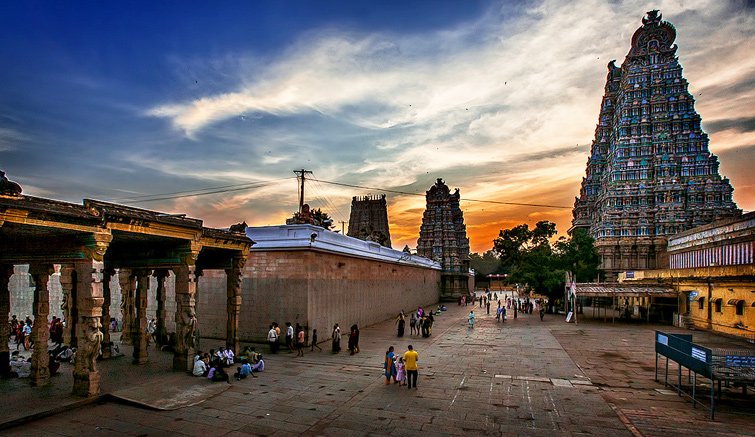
(672, 243)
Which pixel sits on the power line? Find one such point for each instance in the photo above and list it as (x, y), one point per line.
(423, 195)
(200, 192)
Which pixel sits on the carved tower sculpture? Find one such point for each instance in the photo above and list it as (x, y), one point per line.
(649, 174)
(443, 238)
(369, 219)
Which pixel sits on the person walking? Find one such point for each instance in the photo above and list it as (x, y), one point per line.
(412, 323)
(401, 322)
(299, 341)
(470, 319)
(389, 365)
(314, 341)
(410, 363)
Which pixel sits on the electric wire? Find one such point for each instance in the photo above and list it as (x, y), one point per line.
(423, 195)
(200, 192)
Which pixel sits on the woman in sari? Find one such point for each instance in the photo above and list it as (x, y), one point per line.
(389, 365)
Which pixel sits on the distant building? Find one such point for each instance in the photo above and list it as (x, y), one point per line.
(369, 220)
(712, 268)
(443, 238)
(650, 174)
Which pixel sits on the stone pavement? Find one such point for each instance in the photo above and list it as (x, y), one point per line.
(524, 377)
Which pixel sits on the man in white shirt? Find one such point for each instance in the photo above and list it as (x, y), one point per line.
(200, 367)
(272, 339)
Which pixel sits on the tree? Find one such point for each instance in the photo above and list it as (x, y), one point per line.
(578, 255)
(484, 265)
(540, 265)
(314, 217)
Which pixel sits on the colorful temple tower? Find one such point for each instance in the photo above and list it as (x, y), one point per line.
(369, 220)
(443, 238)
(649, 174)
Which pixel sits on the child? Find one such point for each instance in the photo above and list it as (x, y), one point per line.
(401, 371)
(243, 371)
(314, 341)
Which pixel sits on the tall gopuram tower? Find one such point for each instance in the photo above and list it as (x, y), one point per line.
(369, 219)
(649, 174)
(443, 238)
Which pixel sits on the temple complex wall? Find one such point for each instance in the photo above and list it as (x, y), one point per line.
(291, 277)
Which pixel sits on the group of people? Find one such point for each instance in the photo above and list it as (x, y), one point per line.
(420, 322)
(21, 330)
(403, 369)
(294, 338)
(212, 365)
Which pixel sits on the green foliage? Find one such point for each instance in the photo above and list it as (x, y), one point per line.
(485, 264)
(540, 265)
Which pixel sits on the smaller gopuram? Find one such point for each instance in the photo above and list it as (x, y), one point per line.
(369, 219)
(443, 238)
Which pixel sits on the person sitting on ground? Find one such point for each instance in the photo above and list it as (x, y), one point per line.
(197, 356)
(201, 367)
(259, 366)
(54, 364)
(115, 351)
(65, 354)
(243, 371)
(228, 357)
(217, 373)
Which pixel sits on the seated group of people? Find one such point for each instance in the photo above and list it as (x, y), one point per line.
(211, 365)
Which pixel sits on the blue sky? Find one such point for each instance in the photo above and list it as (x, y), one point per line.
(115, 100)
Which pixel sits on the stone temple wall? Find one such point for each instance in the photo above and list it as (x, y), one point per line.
(316, 290)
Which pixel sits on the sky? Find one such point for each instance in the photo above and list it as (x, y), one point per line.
(133, 101)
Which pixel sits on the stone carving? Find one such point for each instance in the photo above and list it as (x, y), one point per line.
(238, 227)
(187, 329)
(89, 345)
(8, 188)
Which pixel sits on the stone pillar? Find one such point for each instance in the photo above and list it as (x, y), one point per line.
(86, 378)
(108, 274)
(233, 305)
(160, 330)
(67, 307)
(139, 325)
(88, 306)
(6, 270)
(186, 320)
(126, 281)
(40, 333)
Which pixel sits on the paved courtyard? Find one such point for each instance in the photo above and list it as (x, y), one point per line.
(524, 377)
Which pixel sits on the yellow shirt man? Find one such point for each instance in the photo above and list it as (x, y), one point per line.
(410, 359)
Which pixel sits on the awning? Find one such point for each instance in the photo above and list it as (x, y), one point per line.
(621, 290)
(734, 301)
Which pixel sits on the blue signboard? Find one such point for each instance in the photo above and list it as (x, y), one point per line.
(740, 361)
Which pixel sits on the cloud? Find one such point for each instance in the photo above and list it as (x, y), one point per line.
(500, 107)
(10, 139)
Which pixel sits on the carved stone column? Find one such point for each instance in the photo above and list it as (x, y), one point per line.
(139, 325)
(233, 306)
(40, 333)
(6, 271)
(127, 283)
(67, 307)
(108, 274)
(89, 300)
(186, 319)
(160, 330)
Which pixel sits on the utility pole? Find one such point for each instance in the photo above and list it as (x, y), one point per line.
(342, 227)
(301, 173)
